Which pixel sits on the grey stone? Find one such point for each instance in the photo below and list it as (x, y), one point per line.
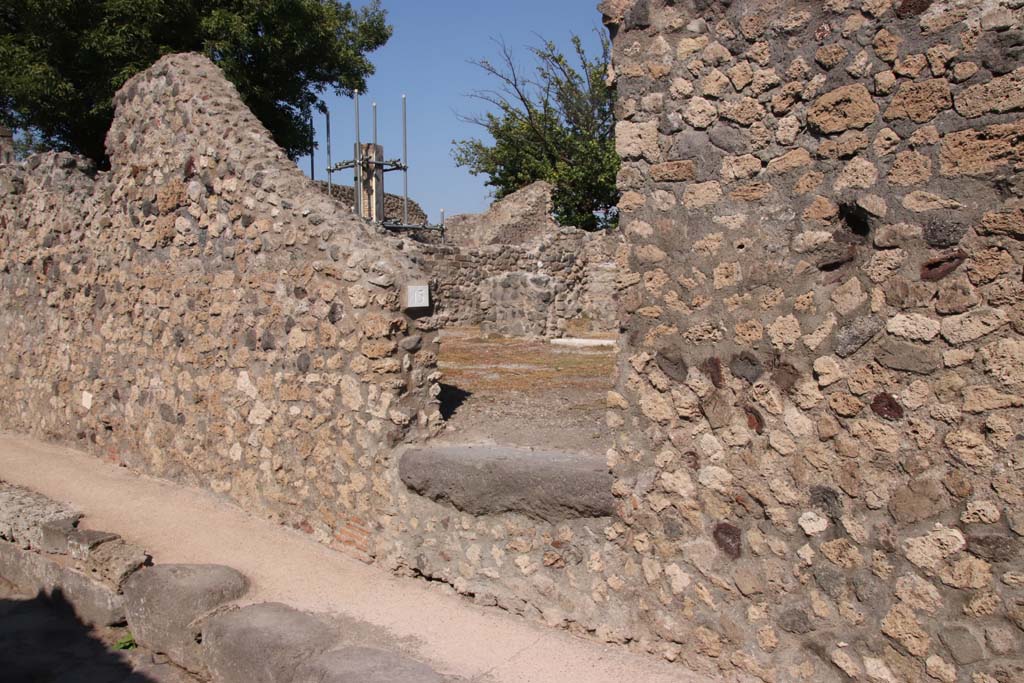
(671, 358)
(55, 533)
(1003, 52)
(114, 561)
(484, 480)
(93, 602)
(855, 334)
(23, 514)
(831, 581)
(366, 665)
(1015, 520)
(717, 409)
(994, 547)
(962, 644)
(264, 643)
(165, 603)
(728, 138)
(411, 343)
(900, 355)
(795, 621)
(81, 542)
(639, 16)
(747, 366)
(918, 500)
(941, 235)
(148, 669)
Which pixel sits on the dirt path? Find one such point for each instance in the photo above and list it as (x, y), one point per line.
(520, 392)
(177, 524)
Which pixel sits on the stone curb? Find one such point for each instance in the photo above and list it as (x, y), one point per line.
(45, 551)
(186, 612)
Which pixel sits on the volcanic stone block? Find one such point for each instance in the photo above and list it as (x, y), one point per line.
(898, 355)
(856, 334)
(264, 643)
(165, 603)
(963, 645)
(487, 480)
(366, 665)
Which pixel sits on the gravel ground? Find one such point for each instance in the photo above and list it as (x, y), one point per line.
(520, 392)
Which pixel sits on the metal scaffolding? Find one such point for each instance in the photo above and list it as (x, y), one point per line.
(369, 166)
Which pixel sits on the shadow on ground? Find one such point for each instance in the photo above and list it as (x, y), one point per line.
(42, 641)
(451, 398)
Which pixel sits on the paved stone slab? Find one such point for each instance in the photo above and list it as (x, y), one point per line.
(265, 643)
(485, 480)
(366, 665)
(165, 602)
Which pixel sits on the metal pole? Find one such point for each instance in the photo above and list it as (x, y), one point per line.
(358, 163)
(405, 168)
(330, 163)
(374, 170)
(312, 147)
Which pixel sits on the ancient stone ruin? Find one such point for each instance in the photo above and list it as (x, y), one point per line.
(820, 456)
(514, 271)
(204, 313)
(818, 467)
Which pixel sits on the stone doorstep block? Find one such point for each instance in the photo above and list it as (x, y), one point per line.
(481, 480)
(93, 602)
(166, 604)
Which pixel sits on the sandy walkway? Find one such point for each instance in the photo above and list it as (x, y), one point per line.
(178, 524)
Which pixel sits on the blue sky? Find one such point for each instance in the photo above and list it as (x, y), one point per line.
(427, 59)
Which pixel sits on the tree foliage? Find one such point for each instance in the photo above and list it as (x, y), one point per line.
(555, 123)
(61, 61)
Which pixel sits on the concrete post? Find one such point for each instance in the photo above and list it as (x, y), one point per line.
(6, 146)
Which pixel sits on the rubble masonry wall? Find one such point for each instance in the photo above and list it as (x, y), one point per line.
(820, 397)
(202, 312)
(560, 284)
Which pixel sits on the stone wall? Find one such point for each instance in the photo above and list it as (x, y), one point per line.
(204, 313)
(393, 203)
(562, 283)
(820, 460)
(519, 218)
(818, 467)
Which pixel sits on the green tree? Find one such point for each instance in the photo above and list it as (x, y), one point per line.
(555, 123)
(61, 61)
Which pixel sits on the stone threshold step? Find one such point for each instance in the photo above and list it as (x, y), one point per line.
(547, 485)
